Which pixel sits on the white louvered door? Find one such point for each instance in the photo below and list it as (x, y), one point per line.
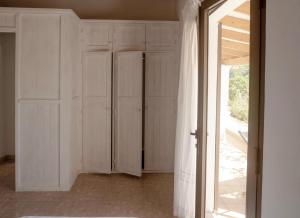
(161, 111)
(128, 81)
(97, 112)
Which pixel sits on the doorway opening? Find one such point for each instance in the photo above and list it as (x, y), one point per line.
(227, 109)
(7, 109)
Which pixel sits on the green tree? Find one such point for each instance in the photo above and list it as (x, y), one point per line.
(239, 92)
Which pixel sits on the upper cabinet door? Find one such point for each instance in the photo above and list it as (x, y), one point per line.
(98, 34)
(129, 37)
(97, 112)
(162, 74)
(7, 19)
(161, 36)
(128, 117)
(39, 56)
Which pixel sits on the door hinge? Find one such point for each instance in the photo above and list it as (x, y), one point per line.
(113, 164)
(196, 136)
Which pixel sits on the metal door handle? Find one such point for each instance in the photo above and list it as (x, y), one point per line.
(194, 133)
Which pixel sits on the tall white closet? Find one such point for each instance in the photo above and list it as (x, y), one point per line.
(47, 57)
(90, 96)
(144, 95)
(94, 96)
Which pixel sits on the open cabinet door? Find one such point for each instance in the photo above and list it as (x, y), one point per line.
(128, 117)
(97, 112)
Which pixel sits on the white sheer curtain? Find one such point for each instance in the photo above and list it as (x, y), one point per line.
(185, 151)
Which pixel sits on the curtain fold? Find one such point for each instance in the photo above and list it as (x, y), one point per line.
(185, 149)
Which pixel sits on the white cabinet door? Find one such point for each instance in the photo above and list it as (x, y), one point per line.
(38, 150)
(161, 36)
(39, 57)
(7, 19)
(39, 112)
(98, 34)
(160, 130)
(97, 112)
(128, 114)
(162, 74)
(129, 37)
(161, 109)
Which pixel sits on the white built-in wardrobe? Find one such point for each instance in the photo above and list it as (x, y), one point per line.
(130, 71)
(47, 111)
(90, 96)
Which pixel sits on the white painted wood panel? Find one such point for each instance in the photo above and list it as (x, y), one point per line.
(98, 34)
(69, 67)
(161, 36)
(7, 19)
(38, 144)
(77, 134)
(97, 137)
(47, 62)
(162, 74)
(128, 118)
(161, 110)
(160, 131)
(97, 67)
(97, 112)
(39, 56)
(129, 74)
(129, 36)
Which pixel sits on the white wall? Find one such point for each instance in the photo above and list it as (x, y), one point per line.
(281, 166)
(180, 5)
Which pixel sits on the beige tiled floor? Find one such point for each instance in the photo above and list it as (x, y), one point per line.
(92, 196)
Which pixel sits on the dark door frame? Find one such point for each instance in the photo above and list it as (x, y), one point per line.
(256, 107)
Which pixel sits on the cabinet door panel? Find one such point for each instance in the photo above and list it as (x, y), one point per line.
(128, 117)
(161, 75)
(160, 131)
(98, 34)
(161, 36)
(39, 56)
(129, 78)
(97, 149)
(129, 136)
(7, 20)
(97, 112)
(39, 144)
(129, 37)
(97, 68)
